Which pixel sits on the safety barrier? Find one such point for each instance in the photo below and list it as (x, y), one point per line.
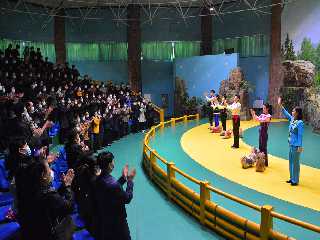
(200, 205)
(160, 111)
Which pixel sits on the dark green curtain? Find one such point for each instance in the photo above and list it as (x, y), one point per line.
(247, 46)
(104, 52)
(119, 51)
(82, 52)
(157, 50)
(186, 49)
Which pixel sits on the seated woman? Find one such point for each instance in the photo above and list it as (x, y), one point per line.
(42, 212)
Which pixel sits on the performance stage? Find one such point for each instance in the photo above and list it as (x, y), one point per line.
(215, 154)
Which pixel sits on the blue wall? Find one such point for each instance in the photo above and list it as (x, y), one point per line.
(205, 72)
(256, 71)
(116, 71)
(157, 79)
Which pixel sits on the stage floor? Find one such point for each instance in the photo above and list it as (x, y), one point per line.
(215, 154)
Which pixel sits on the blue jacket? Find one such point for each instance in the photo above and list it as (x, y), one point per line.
(295, 129)
(111, 212)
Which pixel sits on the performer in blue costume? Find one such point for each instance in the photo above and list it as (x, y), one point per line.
(295, 141)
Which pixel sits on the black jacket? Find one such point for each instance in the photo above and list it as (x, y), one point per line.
(46, 214)
(74, 153)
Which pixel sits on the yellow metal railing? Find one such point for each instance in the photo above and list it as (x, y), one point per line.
(200, 205)
(160, 111)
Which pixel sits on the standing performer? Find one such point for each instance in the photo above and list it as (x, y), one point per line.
(210, 110)
(295, 142)
(235, 108)
(223, 113)
(264, 120)
(216, 110)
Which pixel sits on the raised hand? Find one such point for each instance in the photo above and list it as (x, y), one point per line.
(125, 171)
(279, 101)
(37, 132)
(51, 157)
(67, 178)
(132, 174)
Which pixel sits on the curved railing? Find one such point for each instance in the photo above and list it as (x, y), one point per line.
(160, 111)
(200, 206)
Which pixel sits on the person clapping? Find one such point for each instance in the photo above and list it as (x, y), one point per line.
(111, 199)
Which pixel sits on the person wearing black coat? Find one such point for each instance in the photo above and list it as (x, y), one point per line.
(64, 123)
(86, 172)
(44, 213)
(111, 199)
(75, 150)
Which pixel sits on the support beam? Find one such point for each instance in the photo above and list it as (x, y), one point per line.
(60, 38)
(134, 47)
(275, 81)
(206, 32)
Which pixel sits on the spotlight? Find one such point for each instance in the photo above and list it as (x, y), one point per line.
(211, 9)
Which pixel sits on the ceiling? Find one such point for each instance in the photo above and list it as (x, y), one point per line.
(53, 8)
(123, 3)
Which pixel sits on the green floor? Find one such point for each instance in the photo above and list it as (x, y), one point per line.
(151, 216)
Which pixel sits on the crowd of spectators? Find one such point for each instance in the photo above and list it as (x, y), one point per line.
(40, 100)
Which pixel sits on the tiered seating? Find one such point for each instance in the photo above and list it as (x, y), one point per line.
(9, 229)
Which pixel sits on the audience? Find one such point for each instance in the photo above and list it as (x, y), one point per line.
(40, 101)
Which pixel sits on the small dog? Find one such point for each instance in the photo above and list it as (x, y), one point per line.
(260, 162)
(255, 158)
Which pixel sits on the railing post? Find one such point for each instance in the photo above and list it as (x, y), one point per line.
(144, 148)
(204, 196)
(161, 115)
(185, 118)
(197, 116)
(170, 176)
(266, 222)
(162, 125)
(153, 131)
(152, 161)
(173, 122)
